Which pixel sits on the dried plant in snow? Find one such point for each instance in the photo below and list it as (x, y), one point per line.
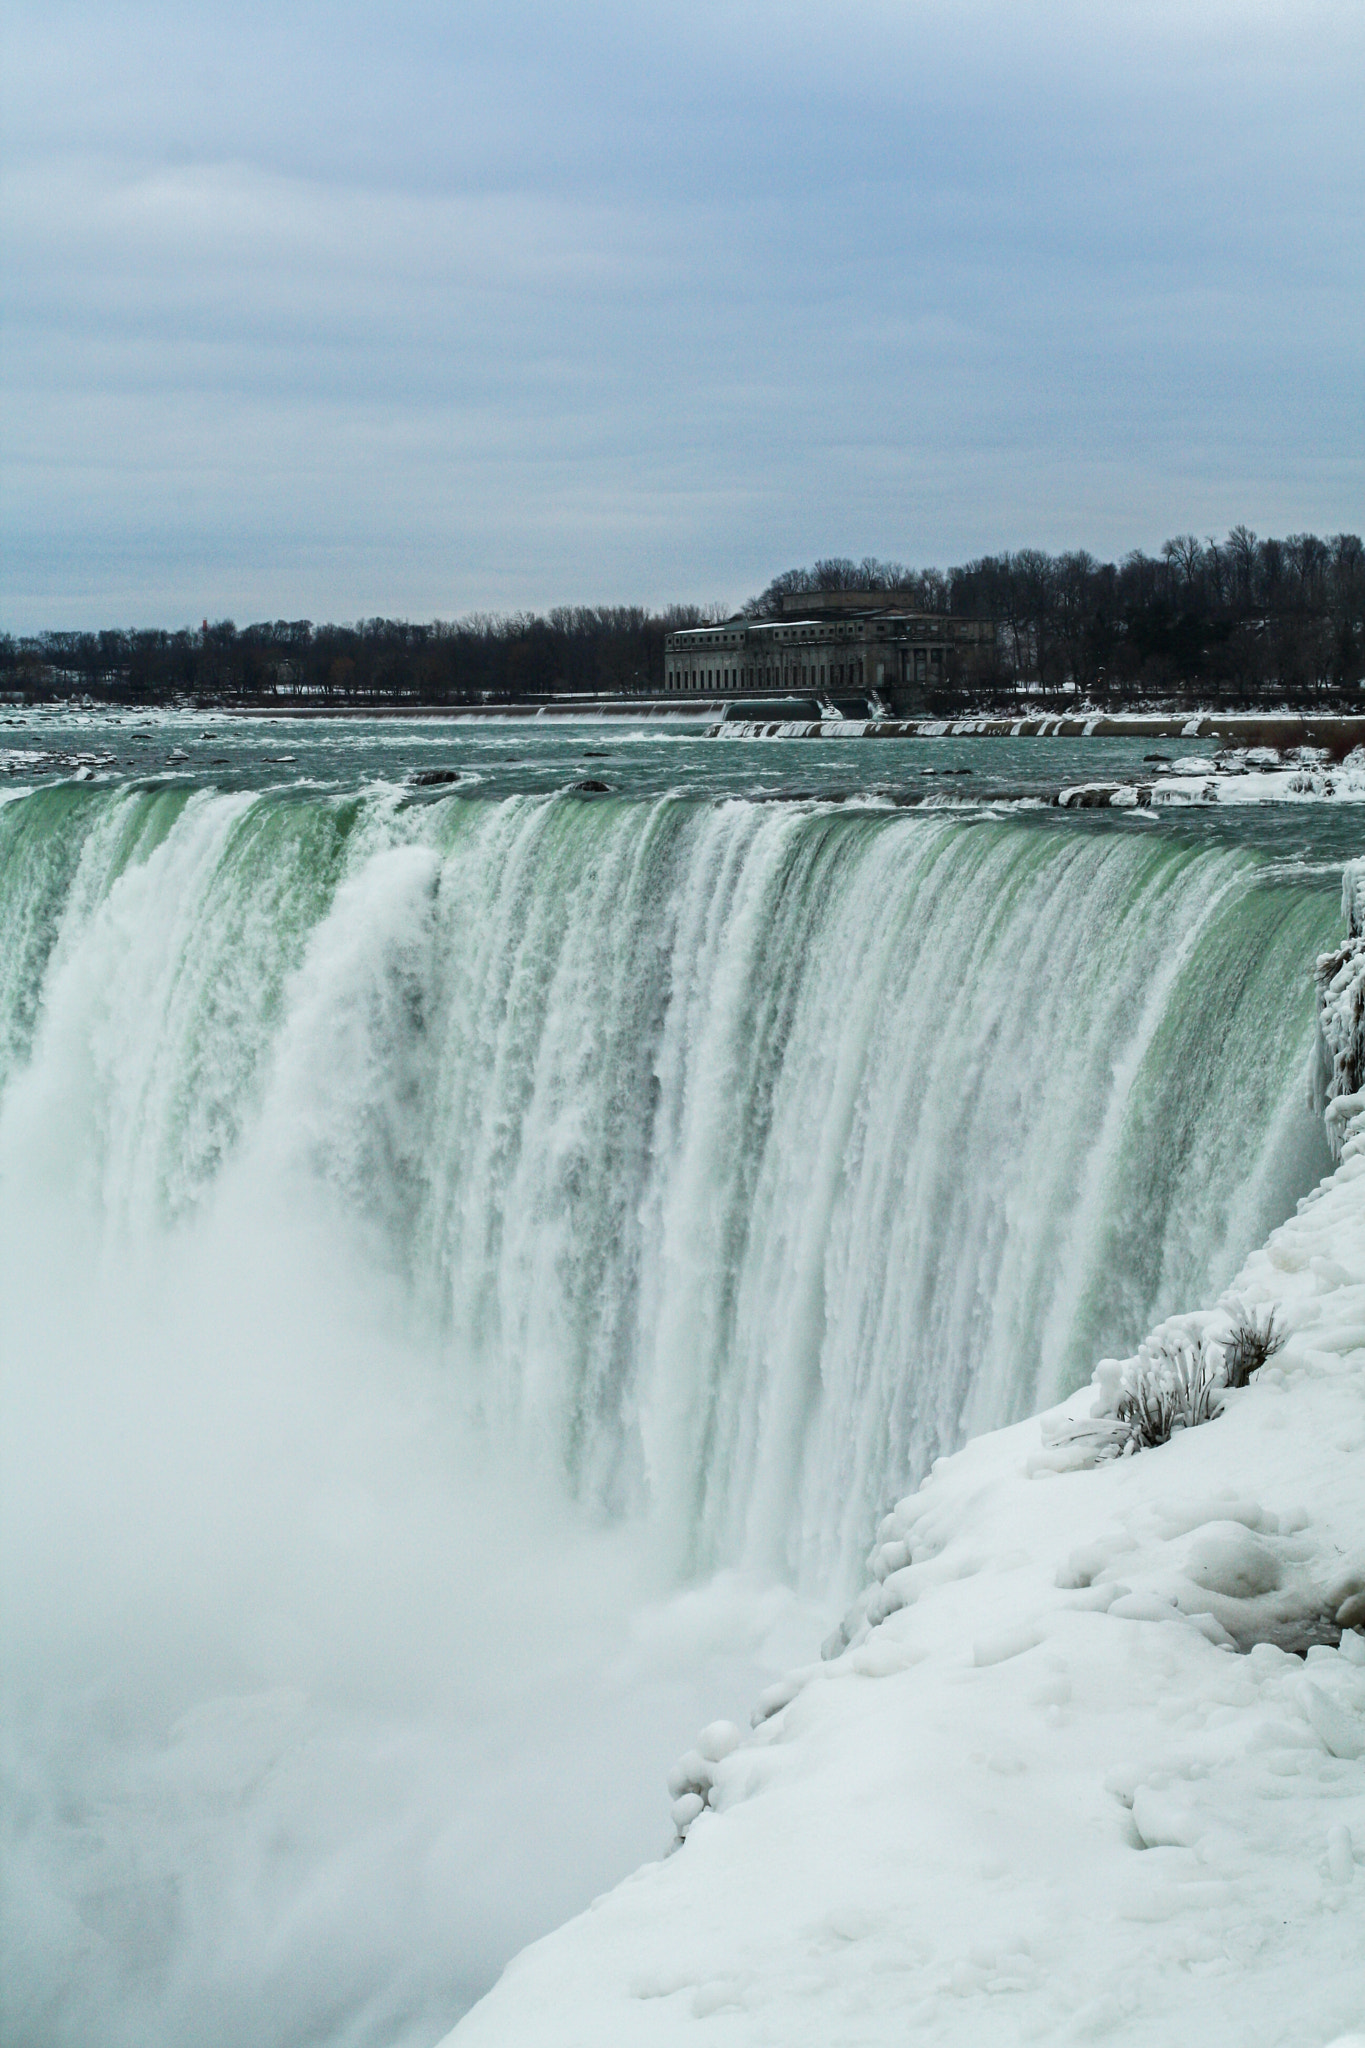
(1248, 1345)
(1176, 1385)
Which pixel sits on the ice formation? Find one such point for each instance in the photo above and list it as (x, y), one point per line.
(1341, 1017)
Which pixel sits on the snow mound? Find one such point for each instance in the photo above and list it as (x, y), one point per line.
(1086, 1760)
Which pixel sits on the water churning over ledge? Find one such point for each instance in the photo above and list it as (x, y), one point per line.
(737, 1158)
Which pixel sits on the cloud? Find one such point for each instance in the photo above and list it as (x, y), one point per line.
(328, 311)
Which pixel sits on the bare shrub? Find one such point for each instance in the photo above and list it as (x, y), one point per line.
(1176, 1385)
(1248, 1345)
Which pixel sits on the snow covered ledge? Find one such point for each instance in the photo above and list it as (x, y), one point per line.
(1065, 1775)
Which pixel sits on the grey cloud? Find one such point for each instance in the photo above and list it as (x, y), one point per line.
(340, 310)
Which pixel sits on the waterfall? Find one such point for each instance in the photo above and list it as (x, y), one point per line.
(735, 1158)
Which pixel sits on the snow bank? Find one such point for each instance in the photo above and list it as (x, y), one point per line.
(1086, 1761)
(1257, 775)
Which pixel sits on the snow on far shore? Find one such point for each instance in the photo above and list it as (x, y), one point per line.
(1087, 1761)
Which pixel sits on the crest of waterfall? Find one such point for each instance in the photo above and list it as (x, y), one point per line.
(737, 1158)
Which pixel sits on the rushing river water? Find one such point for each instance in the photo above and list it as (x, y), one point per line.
(515, 756)
(480, 1257)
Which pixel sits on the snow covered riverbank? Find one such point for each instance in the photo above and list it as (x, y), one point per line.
(1063, 1780)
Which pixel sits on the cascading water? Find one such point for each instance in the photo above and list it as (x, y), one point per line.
(730, 1160)
(745, 1157)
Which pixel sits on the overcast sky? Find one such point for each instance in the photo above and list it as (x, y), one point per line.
(327, 310)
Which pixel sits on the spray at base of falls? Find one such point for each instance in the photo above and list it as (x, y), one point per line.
(433, 1231)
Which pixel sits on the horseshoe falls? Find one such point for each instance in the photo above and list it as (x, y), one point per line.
(475, 1273)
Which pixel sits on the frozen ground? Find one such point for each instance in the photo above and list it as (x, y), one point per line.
(1257, 775)
(1090, 1762)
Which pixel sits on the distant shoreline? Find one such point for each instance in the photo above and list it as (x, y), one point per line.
(799, 718)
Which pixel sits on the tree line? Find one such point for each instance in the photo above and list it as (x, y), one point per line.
(611, 650)
(1241, 620)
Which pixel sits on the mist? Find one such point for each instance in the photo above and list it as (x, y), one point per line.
(317, 1706)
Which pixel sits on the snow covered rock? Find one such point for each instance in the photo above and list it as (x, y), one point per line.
(694, 1777)
(1092, 796)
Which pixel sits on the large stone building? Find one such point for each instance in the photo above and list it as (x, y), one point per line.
(831, 643)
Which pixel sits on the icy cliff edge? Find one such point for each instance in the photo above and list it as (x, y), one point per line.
(1340, 1066)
